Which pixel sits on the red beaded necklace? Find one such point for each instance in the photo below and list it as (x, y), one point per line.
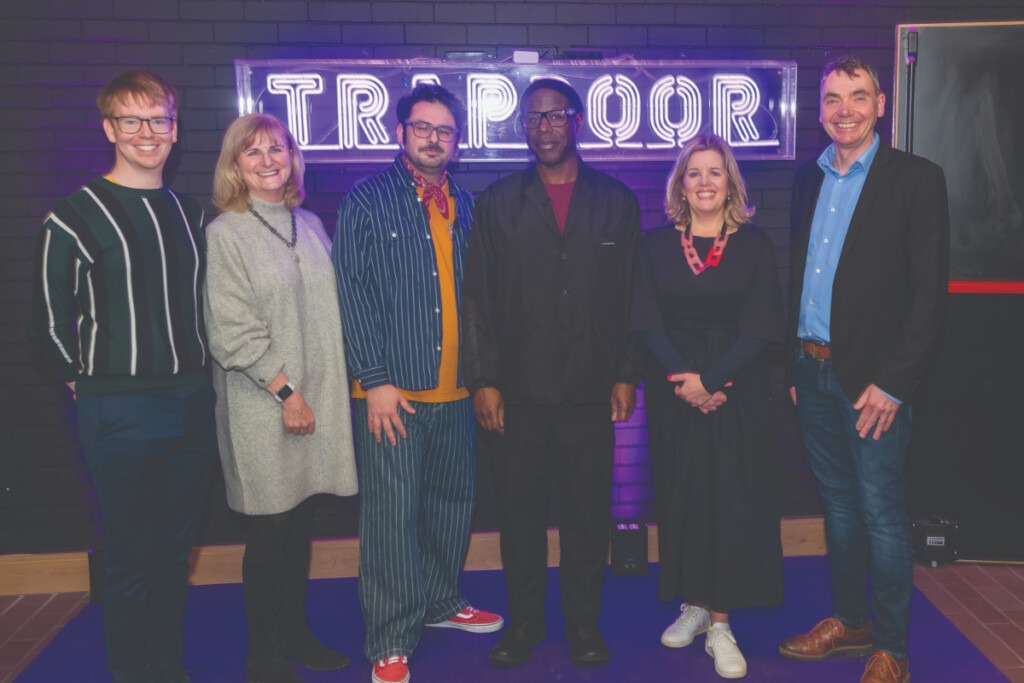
(714, 256)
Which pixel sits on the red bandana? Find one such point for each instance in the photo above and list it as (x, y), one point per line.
(432, 192)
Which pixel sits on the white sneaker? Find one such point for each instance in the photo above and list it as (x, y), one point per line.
(721, 644)
(692, 621)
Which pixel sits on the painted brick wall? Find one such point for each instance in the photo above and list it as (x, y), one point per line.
(56, 54)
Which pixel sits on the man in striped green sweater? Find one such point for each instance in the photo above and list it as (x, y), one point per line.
(116, 314)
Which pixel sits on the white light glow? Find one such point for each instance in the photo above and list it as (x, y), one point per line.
(362, 103)
(296, 89)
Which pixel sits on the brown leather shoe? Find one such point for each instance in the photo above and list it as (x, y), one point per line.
(884, 668)
(829, 637)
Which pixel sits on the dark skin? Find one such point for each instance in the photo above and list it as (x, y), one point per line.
(557, 162)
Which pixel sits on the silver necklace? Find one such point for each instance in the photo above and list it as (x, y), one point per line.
(268, 226)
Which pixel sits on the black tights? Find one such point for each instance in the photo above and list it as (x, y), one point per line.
(275, 569)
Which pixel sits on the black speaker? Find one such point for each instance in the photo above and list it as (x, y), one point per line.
(629, 548)
(935, 541)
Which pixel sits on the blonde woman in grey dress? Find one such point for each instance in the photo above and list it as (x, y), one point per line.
(283, 415)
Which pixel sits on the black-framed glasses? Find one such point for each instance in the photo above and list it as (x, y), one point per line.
(556, 117)
(422, 129)
(130, 125)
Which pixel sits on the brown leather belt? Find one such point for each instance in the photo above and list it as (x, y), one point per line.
(815, 350)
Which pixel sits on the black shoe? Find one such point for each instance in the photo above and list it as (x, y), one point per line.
(303, 648)
(586, 644)
(517, 643)
(268, 665)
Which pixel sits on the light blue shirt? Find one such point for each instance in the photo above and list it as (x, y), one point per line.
(837, 201)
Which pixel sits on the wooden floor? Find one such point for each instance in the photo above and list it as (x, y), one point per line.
(986, 602)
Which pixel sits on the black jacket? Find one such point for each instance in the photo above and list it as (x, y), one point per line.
(545, 315)
(890, 287)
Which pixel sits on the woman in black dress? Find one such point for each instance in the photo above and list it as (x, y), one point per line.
(707, 305)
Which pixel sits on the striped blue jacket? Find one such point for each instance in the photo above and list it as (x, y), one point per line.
(388, 280)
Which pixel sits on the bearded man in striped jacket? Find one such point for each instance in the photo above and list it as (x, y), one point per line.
(116, 315)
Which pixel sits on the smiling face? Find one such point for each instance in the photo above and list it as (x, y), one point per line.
(706, 184)
(265, 166)
(429, 155)
(139, 157)
(553, 146)
(850, 106)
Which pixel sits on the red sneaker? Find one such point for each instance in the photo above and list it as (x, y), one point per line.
(391, 670)
(473, 620)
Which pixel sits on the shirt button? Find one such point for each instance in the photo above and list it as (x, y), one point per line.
(438, 348)
(394, 234)
(826, 240)
(437, 310)
(810, 302)
(565, 292)
(428, 237)
(419, 199)
(817, 270)
(435, 273)
(832, 209)
(565, 257)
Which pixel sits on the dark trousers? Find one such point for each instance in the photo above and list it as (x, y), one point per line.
(575, 444)
(866, 522)
(275, 569)
(150, 457)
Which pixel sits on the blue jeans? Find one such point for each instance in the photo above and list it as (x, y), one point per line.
(415, 508)
(150, 457)
(866, 523)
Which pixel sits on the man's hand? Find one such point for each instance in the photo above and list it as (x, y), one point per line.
(623, 401)
(792, 394)
(298, 416)
(713, 403)
(690, 388)
(382, 412)
(877, 411)
(74, 394)
(489, 406)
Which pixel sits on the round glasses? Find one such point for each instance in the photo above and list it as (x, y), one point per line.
(555, 117)
(133, 124)
(422, 129)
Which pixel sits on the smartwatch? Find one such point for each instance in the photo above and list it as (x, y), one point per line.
(284, 392)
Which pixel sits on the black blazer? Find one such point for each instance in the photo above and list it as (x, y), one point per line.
(891, 282)
(545, 314)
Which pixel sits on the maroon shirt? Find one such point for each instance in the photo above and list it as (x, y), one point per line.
(561, 195)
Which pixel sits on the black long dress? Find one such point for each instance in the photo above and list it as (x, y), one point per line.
(714, 475)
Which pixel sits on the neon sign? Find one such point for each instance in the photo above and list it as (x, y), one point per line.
(342, 111)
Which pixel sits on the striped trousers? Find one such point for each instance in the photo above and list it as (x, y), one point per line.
(415, 507)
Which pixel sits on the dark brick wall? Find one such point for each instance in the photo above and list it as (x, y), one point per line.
(56, 54)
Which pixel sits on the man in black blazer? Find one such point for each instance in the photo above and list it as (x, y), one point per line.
(546, 353)
(869, 271)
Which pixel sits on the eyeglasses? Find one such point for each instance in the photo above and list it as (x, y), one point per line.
(556, 117)
(133, 124)
(422, 129)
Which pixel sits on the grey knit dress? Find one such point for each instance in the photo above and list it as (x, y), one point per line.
(268, 312)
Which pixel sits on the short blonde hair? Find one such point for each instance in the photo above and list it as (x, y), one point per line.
(229, 190)
(139, 84)
(737, 211)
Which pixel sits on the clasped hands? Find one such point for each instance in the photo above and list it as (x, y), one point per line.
(691, 389)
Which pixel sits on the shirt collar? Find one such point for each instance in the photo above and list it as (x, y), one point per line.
(826, 161)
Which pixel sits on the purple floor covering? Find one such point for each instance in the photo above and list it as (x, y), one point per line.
(632, 623)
